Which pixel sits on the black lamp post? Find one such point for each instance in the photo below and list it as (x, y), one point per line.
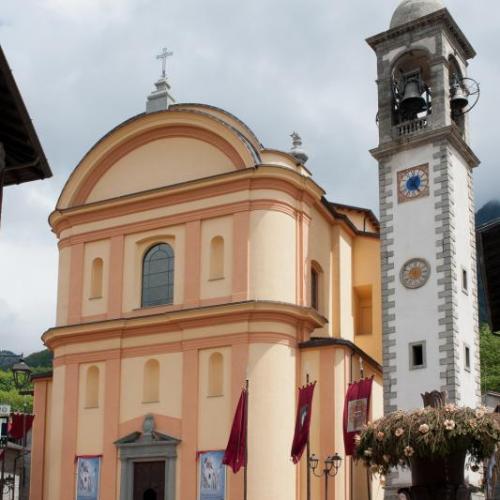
(330, 468)
(21, 373)
(22, 377)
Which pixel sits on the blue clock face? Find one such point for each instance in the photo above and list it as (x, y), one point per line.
(413, 183)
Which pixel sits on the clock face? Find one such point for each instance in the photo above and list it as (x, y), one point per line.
(413, 183)
(415, 273)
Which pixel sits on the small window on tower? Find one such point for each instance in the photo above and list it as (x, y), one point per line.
(465, 281)
(467, 357)
(417, 355)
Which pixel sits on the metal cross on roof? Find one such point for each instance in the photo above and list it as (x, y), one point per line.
(163, 56)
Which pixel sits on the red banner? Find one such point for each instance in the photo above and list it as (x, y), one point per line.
(236, 450)
(356, 411)
(303, 421)
(20, 424)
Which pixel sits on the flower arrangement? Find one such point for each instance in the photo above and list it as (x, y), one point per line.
(429, 432)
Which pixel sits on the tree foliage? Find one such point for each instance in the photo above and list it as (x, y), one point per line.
(490, 360)
(10, 396)
(41, 359)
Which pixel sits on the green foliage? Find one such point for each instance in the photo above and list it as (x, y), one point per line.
(10, 396)
(426, 433)
(490, 360)
(7, 359)
(41, 359)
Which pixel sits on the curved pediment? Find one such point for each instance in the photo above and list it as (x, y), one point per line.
(155, 150)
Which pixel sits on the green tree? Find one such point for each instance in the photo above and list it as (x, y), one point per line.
(10, 396)
(490, 360)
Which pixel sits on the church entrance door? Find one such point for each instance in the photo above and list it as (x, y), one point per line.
(149, 480)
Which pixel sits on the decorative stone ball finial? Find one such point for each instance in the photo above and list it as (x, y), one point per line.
(297, 151)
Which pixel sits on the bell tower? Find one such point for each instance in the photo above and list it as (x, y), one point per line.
(430, 320)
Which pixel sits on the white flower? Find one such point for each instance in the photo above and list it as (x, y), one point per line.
(368, 452)
(450, 407)
(424, 429)
(480, 413)
(409, 451)
(449, 425)
(380, 436)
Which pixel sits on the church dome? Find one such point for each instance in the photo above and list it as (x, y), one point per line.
(410, 10)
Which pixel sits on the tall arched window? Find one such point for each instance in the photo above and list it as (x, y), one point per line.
(158, 276)
(151, 389)
(96, 278)
(316, 284)
(216, 374)
(217, 258)
(92, 388)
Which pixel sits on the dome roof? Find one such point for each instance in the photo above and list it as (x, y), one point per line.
(410, 10)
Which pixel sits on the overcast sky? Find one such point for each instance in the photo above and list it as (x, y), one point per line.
(84, 66)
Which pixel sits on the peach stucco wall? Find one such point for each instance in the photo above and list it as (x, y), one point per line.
(272, 371)
(90, 420)
(214, 411)
(272, 256)
(160, 163)
(132, 403)
(63, 291)
(221, 286)
(95, 305)
(366, 273)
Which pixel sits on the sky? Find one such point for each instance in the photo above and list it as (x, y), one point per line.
(84, 66)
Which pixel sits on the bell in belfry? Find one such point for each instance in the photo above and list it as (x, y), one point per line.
(459, 97)
(412, 102)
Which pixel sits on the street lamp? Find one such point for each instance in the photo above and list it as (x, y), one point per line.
(330, 468)
(22, 376)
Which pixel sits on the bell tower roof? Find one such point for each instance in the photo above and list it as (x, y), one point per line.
(410, 10)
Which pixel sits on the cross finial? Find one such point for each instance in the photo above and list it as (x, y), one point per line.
(163, 56)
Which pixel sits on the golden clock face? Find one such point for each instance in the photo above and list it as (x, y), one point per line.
(413, 183)
(415, 273)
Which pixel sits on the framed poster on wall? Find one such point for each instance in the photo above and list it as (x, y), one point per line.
(212, 476)
(88, 470)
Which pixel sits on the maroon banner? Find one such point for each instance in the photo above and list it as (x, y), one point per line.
(236, 451)
(19, 425)
(303, 421)
(356, 411)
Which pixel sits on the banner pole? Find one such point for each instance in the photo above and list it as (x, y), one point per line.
(308, 452)
(245, 474)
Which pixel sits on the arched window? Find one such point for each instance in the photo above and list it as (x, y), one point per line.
(158, 276)
(217, 258)
(92, 388)
(151, 390)
(96, 279)
(216, 374)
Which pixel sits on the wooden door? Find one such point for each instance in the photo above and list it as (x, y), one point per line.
(149, 480)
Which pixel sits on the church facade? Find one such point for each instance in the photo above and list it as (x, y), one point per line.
(191, 260)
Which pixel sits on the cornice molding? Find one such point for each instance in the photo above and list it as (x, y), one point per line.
(252, 310)
(450, 133)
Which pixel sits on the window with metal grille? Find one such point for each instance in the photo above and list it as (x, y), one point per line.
(158, 276)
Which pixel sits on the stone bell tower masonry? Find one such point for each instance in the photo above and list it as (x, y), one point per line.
(430, 320)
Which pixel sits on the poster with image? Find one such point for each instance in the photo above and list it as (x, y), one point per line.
(87, 478)
(212, 476)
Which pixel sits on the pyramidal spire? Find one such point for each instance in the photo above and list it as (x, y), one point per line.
(160, 99)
